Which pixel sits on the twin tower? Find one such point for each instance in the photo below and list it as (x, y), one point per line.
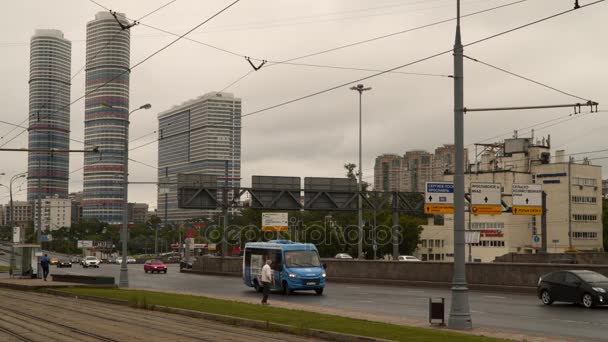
(106, 116)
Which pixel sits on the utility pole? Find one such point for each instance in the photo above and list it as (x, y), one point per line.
(543, 224)
(39, 229)
(470, 244)
(395, 225)
(225, 209)
(360, 88)
(569, 203)
(460, 316)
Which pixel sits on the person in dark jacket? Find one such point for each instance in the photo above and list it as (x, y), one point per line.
(44, 263)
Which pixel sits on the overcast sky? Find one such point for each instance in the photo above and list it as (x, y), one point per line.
(316, 136)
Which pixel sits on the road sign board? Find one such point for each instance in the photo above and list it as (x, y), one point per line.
(527, 210)
(84, 244)
(486, 199)
(536, 239)
(439, 198)
(274, 222)
(471, 236)
(555, 241)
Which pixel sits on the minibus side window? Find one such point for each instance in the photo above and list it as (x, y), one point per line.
(277, 260)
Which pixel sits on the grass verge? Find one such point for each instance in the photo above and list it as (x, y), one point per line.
(296, 318)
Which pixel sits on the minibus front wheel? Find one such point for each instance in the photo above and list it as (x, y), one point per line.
(319, 291)
(286, 289)
(257, 286)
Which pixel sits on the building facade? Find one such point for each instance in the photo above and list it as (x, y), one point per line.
(389, 173)
(198, 137)
(444, 161)
(106, 117)
(76, 212)
(56, 213)
(138, 212)
(49, 114)
(574, 205)
(418, 170)
(22, 212)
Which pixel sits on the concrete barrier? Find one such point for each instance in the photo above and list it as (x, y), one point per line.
(499, 276)
(586, 258)
(83, 279)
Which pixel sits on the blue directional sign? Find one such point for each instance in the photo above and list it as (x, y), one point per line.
(439, 198)
(536, 239)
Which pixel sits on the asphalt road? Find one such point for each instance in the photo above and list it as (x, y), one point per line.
(38, 317)
(503, 311)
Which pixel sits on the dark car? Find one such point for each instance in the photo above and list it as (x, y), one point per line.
(64, 263)
(585, 287)
(186, 263)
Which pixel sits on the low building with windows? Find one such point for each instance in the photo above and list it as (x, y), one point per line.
(56, 213)
(574, 204)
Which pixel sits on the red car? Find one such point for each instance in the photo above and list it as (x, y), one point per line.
(155, 266)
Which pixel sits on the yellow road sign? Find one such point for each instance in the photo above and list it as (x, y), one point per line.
(438, 208)
(486, 209)
(527, 210)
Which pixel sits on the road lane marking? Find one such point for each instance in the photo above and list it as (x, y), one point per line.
(495, 297)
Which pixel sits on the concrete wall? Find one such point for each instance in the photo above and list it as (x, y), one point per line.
(479, 275)
(577, 258)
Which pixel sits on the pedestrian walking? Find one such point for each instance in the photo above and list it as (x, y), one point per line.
(267, 280)
(44, 263)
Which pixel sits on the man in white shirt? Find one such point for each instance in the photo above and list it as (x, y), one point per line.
(267, 280)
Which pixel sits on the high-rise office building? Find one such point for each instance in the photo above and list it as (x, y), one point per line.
(198, 137)
(106, 117)
(49, 114)
(389, 173)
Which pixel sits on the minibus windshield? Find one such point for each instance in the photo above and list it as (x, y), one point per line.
(302, 259)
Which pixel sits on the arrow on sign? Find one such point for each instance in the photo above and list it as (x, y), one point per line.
(486, 199)
(526, 201)
(430, 198)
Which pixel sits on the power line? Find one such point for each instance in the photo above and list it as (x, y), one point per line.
(524, 78)
(272, 63)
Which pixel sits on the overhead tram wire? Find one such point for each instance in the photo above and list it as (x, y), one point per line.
(524, 78)
(287, 61)
(79, 71)
(383, 72)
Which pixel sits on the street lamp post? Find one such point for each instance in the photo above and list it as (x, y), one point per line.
(12, 216)
(124, 271)
(360, 88)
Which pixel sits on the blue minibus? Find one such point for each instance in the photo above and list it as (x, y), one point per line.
(296, 266)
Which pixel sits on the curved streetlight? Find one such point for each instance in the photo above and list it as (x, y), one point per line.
(360, 88)
(11, 215)
(124, 271)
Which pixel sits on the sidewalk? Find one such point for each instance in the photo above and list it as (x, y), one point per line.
(510, 335)
(34, 284)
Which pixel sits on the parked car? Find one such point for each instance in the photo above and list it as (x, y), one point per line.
(90, 261)
(407, 258)
(75, 260)
(343, 256)
(186, 263)
(54, 261)
(155, 265)
(580, 286)
(64, 263)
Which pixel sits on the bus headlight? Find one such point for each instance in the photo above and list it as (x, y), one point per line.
(292, 275)
(323, 275)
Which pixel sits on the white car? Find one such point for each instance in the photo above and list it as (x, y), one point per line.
(407, 258)
(343, 256)
(90, 261)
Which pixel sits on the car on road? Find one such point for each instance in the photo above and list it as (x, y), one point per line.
(90, 261)
(407, 258)
(578, 286)
(186, 263)
(130, 260)
(343, 256)
(64, 263)
(54, 261)
(75, 260)
(155, 265)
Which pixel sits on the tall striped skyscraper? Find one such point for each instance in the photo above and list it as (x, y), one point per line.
(49, 114)
(198, 137)
(106, 123)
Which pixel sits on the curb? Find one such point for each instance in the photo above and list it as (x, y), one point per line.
(392, 282)
(231, 320)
